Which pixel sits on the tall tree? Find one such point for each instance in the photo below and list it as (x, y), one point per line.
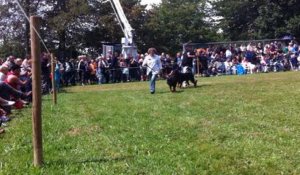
(175, 22)
(14, 26)
(251, 19)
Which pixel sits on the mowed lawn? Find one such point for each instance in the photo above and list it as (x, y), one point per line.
(227, 125)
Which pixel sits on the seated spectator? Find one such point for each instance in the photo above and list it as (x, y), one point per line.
(10, 61)
(240, 70)
(13, 78)
(4, 102)
(248, 66)
(3, 73)
(228, 54)
(14, 81)
(3, 116)
(263, 64)
(6, 92)
(298, 59)
(25, 74)
(18, 61)
(228, 67)
(294, 62)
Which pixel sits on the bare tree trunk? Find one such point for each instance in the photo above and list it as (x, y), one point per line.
(62, 44)
(62, 33)
(27, 28)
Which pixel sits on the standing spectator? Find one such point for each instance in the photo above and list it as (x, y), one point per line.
(93, 70)
(143, 70)
(113, 62)
(114, 66)
(153, 63)
(187, 61)
(178, 59)
(58, 74)
(68, 72)
(45, 66)
(125, 70)
(82, 69)
(133, 69)
(204, 63)
(104, 70)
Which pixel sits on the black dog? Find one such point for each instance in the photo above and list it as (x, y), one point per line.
(186, 77)
(177, 78)
(172, 80)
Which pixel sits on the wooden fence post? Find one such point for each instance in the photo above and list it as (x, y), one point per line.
(37, 92)
(54, 92)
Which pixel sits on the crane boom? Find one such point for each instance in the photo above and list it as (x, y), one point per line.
(128, 47)
(126, 27)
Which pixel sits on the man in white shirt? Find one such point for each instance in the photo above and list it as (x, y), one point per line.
(153, 64)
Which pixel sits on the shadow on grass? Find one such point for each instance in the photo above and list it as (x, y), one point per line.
(18, 114)
(169, 92)
(180, 90)
(85, 161)
(198, 86)
(203, 85)
(64, 91)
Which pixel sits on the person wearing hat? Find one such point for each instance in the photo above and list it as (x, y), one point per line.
(154, 66)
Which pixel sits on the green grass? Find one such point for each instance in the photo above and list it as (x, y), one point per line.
(228, 125)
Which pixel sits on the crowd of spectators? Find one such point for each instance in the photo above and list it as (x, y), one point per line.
(247, 59)
(15, 87)
(233, 59)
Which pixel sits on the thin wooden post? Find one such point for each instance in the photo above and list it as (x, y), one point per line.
(198, 66)
(54, 92)
(36, 94)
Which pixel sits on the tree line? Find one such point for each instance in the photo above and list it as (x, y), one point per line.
(71, 26)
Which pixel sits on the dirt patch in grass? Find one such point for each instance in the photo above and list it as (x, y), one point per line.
(84, 130)
(74, 132)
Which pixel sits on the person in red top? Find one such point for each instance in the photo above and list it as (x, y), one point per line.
(13, 77)
(14, 81)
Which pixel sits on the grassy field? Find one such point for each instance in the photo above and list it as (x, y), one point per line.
(228, 125)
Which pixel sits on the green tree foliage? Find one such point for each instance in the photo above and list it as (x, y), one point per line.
(70, 24)
(253, 19)
(175, 22)
(13, 25)
(11, 48)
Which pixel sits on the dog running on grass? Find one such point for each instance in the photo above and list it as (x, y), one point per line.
(177, 78)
